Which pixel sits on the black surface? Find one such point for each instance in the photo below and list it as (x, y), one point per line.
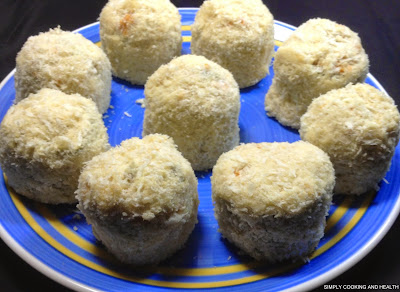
(377, 22)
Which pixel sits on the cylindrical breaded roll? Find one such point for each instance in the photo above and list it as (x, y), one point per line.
(196, 102)
(319, 56)
(271, 199)
(358, 126)
(65, 61)
(238, 35)
(139, 36)
(141, 199)
(44, 141)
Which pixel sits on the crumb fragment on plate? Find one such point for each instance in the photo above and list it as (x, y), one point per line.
(142, 103)
(77, 217)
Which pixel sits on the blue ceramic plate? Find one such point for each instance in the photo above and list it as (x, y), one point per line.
(57, 241)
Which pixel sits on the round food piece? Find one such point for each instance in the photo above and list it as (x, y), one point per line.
(65, 61)
(196, 102)
(44, 141)
(271, 199)
(319, 56)
(139, 36)
(236, 34)
(358, 127)
(141, 199)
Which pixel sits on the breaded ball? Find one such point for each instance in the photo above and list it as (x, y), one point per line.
(196, 102)
(358, 127)
(271, 199)
(139, 36)
(319, 56)
(141, 199)
(65, 61)
(44, 141)
(236, 34)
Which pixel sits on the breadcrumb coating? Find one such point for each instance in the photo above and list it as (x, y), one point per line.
(238, 35)
(44, 141)
(271, 199)
(358, 127)
(65, 61)
(141, 199)
(142, 178)
(319, 56)
(139, 36)
(275, 179)
(196, 102)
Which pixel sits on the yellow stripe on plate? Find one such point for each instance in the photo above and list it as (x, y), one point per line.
(42, 233)
(338, 214)
(170, 284)
(46, 237)
(95, 250)
(103, 254)
(349, 226)
(71, 235)
(100, 252)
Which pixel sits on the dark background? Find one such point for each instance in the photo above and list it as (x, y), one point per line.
(377, 23)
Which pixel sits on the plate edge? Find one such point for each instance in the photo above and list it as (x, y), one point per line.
(355, 258)
(313, 283)
(40, 266)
